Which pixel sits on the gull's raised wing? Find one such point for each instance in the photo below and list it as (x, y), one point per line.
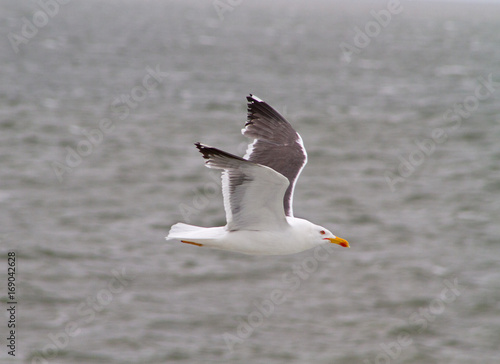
(276, 145)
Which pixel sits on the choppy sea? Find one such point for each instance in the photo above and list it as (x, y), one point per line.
(398, 105)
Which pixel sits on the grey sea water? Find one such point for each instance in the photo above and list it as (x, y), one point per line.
(398, 106)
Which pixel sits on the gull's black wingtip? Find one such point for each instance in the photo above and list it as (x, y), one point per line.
(203, 150)
(254, 104)
(199, 146)
(211, 152)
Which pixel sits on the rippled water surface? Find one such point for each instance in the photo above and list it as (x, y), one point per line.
(100, 104)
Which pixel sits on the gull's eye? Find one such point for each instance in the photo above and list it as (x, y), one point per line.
(322, 232)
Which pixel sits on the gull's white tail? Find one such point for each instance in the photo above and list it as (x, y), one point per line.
(197, 234)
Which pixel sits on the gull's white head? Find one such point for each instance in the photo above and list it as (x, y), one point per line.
(320, 235)
(313, 235)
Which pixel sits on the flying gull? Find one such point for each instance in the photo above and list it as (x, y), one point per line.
(258, 192)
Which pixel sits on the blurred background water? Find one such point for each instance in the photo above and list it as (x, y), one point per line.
(95, 169)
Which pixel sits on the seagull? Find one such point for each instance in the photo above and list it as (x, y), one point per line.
(258, 192)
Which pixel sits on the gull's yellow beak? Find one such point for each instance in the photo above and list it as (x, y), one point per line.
(339, 241)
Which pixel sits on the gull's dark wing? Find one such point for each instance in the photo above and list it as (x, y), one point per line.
(276, 144)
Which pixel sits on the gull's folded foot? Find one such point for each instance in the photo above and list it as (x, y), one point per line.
(190, 242)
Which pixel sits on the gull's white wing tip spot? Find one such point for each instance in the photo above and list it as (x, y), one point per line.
(251, 96)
